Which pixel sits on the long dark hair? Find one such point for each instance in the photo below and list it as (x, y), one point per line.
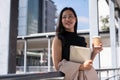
(60, 28)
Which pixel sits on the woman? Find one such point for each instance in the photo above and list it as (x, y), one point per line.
(66, 35)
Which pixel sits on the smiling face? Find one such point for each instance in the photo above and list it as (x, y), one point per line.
(68, 20)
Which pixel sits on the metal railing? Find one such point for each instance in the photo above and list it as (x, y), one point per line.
(34, 76)
(109, 74)
(104, 74)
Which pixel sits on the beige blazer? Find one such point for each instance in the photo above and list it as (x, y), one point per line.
(71, 71)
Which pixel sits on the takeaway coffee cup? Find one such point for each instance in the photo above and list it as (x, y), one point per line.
(96, 41)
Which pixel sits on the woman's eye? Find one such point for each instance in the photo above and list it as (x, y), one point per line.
(70, 16)
(64, 17)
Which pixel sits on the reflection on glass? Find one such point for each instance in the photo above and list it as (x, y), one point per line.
(33, 6)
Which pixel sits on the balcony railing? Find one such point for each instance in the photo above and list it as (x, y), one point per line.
(104, 74)
(109, 74)
(34, 76)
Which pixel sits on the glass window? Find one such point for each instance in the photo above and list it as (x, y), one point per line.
(33, 16)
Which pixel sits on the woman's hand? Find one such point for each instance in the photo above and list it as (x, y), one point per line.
(87, 65)
(96, 50)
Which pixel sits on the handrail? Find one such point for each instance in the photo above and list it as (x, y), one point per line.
(34, 76)
(56, 75)
(115, 72)
(113, 77)
(108, 69)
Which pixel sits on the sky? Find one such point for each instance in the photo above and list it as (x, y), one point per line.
(81, 8)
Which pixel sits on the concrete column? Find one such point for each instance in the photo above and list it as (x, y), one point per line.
(113, 34)
(93, 21)
(4, 33)
(119, 39)
(8, 33)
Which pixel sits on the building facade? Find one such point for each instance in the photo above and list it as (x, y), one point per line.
(36, 16)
